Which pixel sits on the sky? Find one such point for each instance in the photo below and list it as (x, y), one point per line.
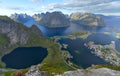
(30, 7)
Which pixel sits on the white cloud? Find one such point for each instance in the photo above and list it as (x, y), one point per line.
(36, 0)
(94, 6)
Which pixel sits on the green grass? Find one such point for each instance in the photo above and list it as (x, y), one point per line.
(5, 18)
(54, 61)
(108, 66)
(4, 40)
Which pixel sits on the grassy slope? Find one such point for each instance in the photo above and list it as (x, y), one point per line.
(106, 66)
(53, 62)
(4, 40)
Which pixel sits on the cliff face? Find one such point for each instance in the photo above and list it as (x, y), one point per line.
(54, 19)
(13, 30)
(87, 19)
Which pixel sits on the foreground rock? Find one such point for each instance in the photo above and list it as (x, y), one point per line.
(34, 71)
(95, 72)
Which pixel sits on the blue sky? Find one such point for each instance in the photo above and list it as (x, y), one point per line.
(107, 7)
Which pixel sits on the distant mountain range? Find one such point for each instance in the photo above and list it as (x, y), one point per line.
(112, 23)
(58, 19)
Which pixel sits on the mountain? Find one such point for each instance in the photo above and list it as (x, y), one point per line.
(22, 18)
(36, 30)
(54, 19)
(50, 21)
(14, 34)
(112, 23)
(87, 19)
(13, 30)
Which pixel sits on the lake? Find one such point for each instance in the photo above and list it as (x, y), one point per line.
(50, 32)
(23, 57)
(82, 56)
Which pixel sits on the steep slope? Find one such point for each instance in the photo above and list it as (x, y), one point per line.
(16, 32)
(19, 35)
(36, 30)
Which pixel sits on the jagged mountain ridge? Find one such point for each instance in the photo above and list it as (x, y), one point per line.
(58, 19)
(54, 19)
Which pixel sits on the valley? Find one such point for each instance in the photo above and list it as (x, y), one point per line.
(65, 38)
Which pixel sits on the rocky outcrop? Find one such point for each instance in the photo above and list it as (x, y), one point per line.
(54, 19)
(15, 31)
(94, 72)
(87, 19)
(34, 71)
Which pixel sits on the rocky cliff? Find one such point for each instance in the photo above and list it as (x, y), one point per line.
(13, 30)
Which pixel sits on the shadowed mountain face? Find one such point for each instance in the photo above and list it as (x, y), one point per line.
(54, 19)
